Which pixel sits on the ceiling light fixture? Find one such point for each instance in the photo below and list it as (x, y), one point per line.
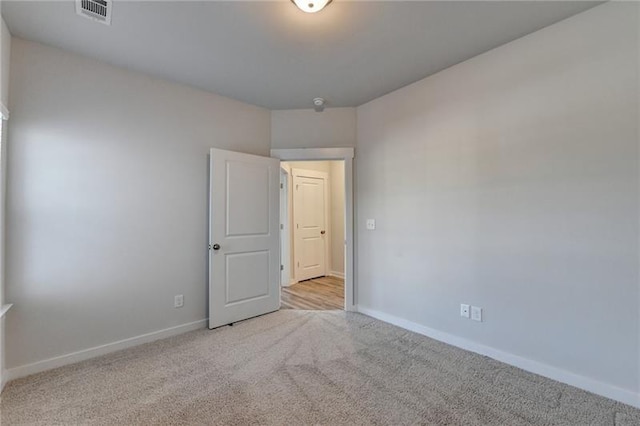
(311, 6)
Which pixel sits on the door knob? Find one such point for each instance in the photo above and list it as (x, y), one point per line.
(322, 232)
(216, 246)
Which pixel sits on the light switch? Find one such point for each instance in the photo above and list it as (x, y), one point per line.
(476, 313)
(371, 224)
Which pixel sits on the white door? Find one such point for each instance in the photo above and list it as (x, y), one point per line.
(309, 216)
(244, 250)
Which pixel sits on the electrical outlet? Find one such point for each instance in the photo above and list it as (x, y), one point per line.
(371, 224)
(476, 313)
(464, 310)
(178, 301)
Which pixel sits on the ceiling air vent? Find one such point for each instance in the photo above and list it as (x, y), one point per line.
(97, 10)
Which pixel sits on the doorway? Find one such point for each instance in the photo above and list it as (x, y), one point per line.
(312, 211)
(244, 231)
(347, 156)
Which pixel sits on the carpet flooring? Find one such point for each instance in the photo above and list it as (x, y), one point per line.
(301, 367)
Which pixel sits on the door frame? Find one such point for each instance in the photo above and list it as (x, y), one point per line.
(326, 213)
(286, 278)
(346, 155)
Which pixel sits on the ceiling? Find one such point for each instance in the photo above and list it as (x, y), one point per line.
(269, 53)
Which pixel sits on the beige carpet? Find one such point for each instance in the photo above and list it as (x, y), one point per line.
(301, 367)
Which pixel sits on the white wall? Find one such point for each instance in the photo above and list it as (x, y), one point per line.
(337, 218)
(319, 166)
(107, 197)
(510, 182)
(305, 128)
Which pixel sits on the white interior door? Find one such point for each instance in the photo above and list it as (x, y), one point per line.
(310, 230)
(244, 249)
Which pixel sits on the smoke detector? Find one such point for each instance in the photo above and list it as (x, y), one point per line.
(318, 104)
(96, 10)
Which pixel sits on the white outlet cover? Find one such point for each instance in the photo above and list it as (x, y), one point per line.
(371, 224)
(476, 313)
(464, 310)
(178, 301)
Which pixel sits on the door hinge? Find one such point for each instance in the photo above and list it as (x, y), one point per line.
(281, 186)
(281, 226)
(298, 264)
(282, 267)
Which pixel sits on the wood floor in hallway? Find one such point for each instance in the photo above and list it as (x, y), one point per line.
(322, 293)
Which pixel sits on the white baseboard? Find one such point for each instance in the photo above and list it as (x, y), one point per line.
(72, 358)
(603, 389)
(337, 274)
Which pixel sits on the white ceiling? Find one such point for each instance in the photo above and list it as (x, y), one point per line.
(273, 55)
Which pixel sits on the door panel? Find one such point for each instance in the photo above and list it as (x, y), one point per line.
(247, 276)
(309, 215)
(247, 199)
(244, 208)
